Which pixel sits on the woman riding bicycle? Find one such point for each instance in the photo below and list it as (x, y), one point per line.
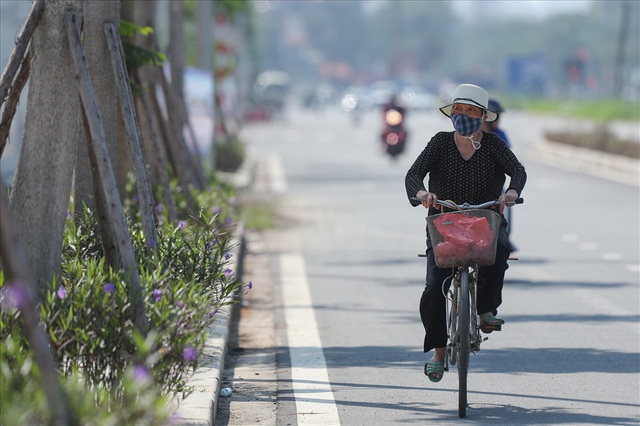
(466, 165)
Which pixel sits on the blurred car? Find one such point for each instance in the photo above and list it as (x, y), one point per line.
(356, 98)
(318, 97)
(382, 91)
(271, 90)
(418, 98)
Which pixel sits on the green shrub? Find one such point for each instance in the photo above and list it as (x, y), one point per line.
(230, 153)
(185, 275)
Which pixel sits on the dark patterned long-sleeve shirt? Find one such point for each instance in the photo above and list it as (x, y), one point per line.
(476, 180)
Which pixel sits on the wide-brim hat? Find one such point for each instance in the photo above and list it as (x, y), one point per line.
(471, 94)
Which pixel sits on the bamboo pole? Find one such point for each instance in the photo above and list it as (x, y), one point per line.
(107, 178)
(176, 123)
(174, 148)
(13, 97)
(133, 134)
(21, 47)
(158, 150)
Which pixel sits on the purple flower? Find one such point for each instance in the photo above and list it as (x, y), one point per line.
(216, 210)
(212, 313)
(227, 256)
(228, 272)
(108, 288)
(140, 373)
(250, 285)
(62, 293)
(229, 221)
(180, 304)
(189, 353)
(157, 294)
(181, 224)
(14, 295)
(69, 214)
(151, 243)
(159, 208)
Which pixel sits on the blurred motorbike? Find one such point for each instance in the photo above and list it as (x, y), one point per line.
(394, 135)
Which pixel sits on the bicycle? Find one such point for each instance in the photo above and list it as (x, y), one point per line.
(464, 255)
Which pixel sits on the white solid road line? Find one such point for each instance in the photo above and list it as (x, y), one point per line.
(277, 179)
(315, 404)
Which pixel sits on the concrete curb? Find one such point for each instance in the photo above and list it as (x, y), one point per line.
(610, 166)
(200, 406)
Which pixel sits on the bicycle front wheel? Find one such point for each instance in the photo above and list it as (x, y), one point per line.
(464, 328)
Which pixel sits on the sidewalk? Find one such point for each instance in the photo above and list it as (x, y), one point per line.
(604, 165)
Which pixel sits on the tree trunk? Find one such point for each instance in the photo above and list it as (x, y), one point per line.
(177, 47)
(96, 13)
(53, 126)
(204, 21)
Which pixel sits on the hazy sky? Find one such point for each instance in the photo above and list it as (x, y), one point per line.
(518, 8)
(507, 8)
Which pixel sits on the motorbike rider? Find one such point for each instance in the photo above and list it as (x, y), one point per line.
(394, 134)
(393, 103)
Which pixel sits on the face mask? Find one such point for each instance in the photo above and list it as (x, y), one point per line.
(466, 125)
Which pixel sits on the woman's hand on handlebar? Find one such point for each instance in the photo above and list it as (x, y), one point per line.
(429, 199)
(508, 199)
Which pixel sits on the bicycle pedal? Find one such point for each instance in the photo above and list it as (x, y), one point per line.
(490, 328)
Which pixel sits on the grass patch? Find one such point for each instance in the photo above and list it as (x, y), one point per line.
(258, 215)
(601, 111)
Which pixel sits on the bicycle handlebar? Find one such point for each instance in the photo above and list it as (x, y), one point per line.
(466, 206)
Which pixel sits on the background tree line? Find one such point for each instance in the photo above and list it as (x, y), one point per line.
(426, 43)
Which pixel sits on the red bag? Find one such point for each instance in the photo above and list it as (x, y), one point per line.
(465, 237)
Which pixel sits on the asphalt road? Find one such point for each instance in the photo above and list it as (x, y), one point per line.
(330, 333)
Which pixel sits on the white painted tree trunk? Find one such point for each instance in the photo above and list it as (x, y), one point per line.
(53, 128)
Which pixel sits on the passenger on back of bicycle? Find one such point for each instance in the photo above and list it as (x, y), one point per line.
(494, 126)
(466, 165)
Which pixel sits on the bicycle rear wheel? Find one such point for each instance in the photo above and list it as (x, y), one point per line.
(464, 329)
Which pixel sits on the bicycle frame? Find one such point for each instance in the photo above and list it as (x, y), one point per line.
(463, 277)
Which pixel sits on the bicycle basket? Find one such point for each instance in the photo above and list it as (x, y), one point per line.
(464, 237)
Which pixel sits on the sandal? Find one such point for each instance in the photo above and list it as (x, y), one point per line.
(434, 368)
(489, 323)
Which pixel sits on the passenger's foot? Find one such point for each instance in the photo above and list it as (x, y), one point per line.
(434, 370)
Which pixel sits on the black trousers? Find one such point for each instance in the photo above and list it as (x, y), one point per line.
(433, 310)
